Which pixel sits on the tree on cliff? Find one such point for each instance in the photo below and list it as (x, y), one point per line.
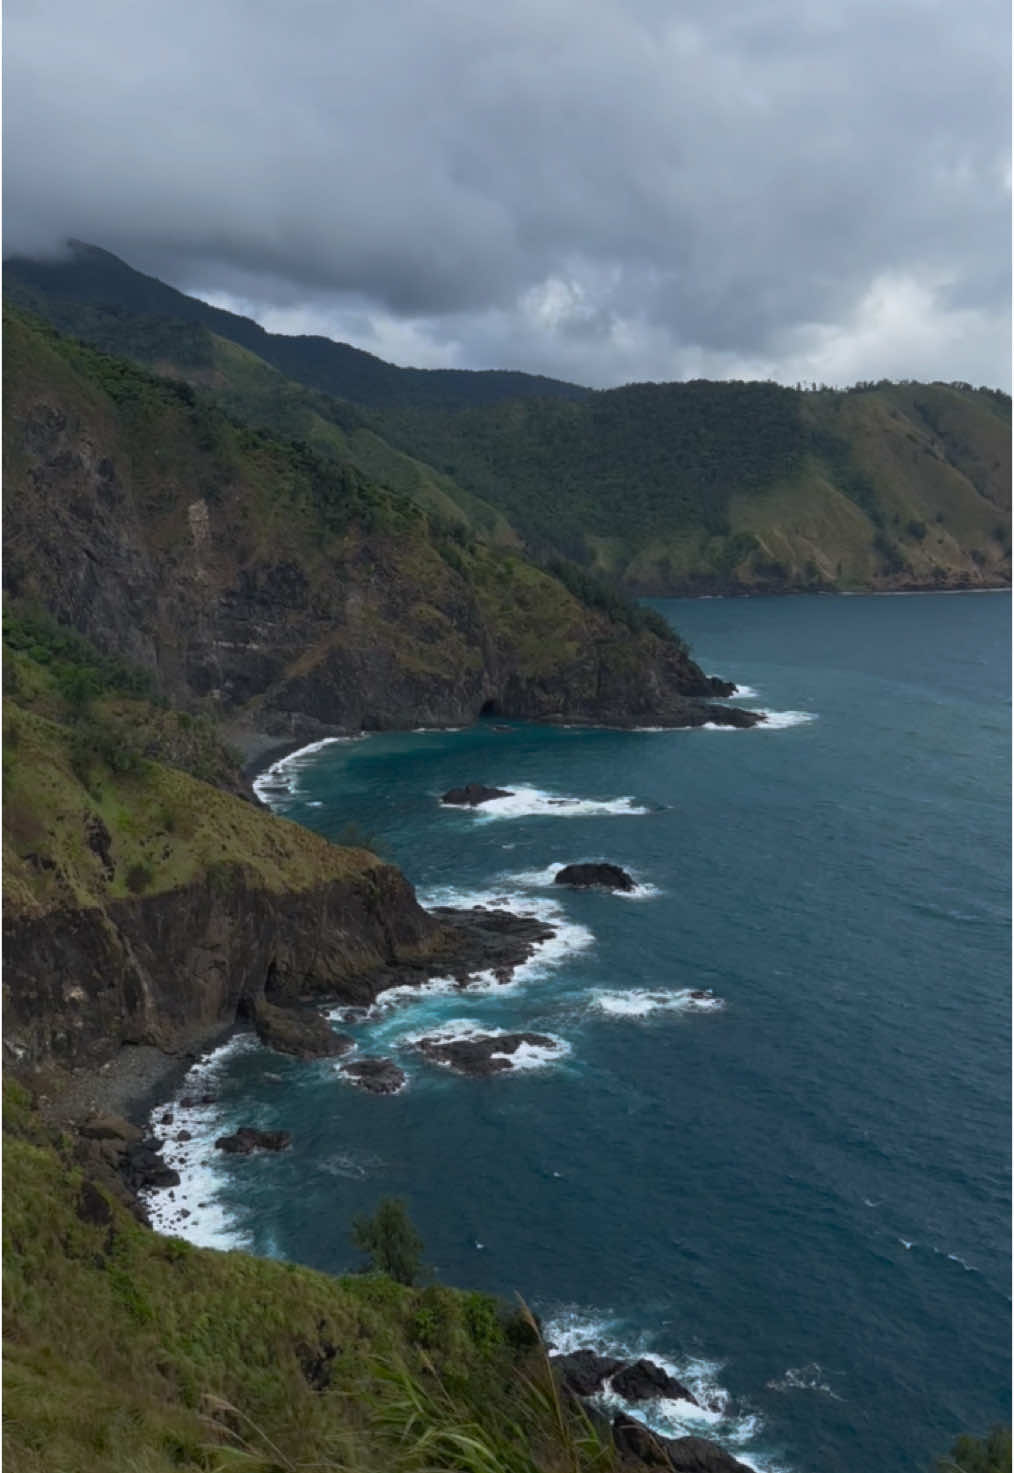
(390, 1241)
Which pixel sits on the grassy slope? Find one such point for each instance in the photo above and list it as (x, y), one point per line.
(165, 827)
(123, 1351)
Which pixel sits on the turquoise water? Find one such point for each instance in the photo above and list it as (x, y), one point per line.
(797, 1195)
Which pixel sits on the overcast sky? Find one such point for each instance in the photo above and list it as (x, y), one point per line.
(601, 190)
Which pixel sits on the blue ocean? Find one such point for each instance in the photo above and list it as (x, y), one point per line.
(793, 1190)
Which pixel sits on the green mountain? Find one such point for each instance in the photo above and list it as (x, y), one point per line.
(93, 277)
(662, 488)
(713, 487)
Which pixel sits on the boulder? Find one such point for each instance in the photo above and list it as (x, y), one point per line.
(299, 1031)
(583, 1372)
(700, 1455)
(110, 1128)
(483, 1054)
(644, 1380)
(144, 1166)
(602, 876)
(472, 794)
(246, 1139)
(720, 687)
(379, 1076)
(680, 1454)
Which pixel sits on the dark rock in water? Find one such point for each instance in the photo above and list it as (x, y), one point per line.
(604, 876)
(299, 1031)
(699, 1455)
(583, 1372)
(681, 1454)
(379, 1076)
(184, 1135)
(488, 941)
(246, 1139)
(473, 794)
(475, 1056)
(644, 1379)
(190, 1102)
(721, 687)
(701, 995)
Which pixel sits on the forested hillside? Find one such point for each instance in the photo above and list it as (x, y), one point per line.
(662, 488)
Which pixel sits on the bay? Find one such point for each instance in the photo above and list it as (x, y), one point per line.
(796, 1191)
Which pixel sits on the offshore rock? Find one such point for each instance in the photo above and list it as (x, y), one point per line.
(379, 1076)
(472, 794)
(644, 1380)
(298, 1031)
(602, 876)
(484, 1054)
(246, 1139)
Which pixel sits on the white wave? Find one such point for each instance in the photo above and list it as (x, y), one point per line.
(779, 720)
(745, 693)
(803, 1378)
(733, 1427)
(641, 1003)
(283, 776)
(527, 802)
(207, 1223)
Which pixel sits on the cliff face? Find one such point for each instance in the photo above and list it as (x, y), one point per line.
(287, 595)
(147, 906)
(168, 969)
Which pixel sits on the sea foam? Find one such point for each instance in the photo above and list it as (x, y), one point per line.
(459, 1030)
(716, 1416)
(283, 776)
(207, 1223)
(527, 802)
(641, 1003)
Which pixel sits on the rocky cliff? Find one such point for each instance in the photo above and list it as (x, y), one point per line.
(147, 906)
(286, 594)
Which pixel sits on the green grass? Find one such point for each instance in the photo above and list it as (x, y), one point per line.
(125, 1351)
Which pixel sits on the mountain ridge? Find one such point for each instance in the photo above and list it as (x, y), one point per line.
(662, 489)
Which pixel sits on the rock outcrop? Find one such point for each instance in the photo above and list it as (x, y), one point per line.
(379, 1076)
(594, 876)
(246, 1140)
(472, 794)
(483, 1054)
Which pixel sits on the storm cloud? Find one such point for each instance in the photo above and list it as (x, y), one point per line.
(603, 190)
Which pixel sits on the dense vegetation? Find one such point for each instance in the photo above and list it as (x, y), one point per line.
(128, 1351)
(663, 488)
(98, 279)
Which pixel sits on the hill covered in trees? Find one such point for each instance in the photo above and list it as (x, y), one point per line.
(697, 487)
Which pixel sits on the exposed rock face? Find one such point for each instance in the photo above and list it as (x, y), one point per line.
(680, 1454)
(583, 1372)
(602, 876)
(298, 1031)
(379, 1076)
(484, 1054)
(156, 549)
(246, 1139)
(168, 969)
(644, 1380)
(472, 794)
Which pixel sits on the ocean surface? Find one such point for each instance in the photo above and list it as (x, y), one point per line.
(794, 1191)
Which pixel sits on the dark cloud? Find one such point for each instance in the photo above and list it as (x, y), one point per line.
(601, 189)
